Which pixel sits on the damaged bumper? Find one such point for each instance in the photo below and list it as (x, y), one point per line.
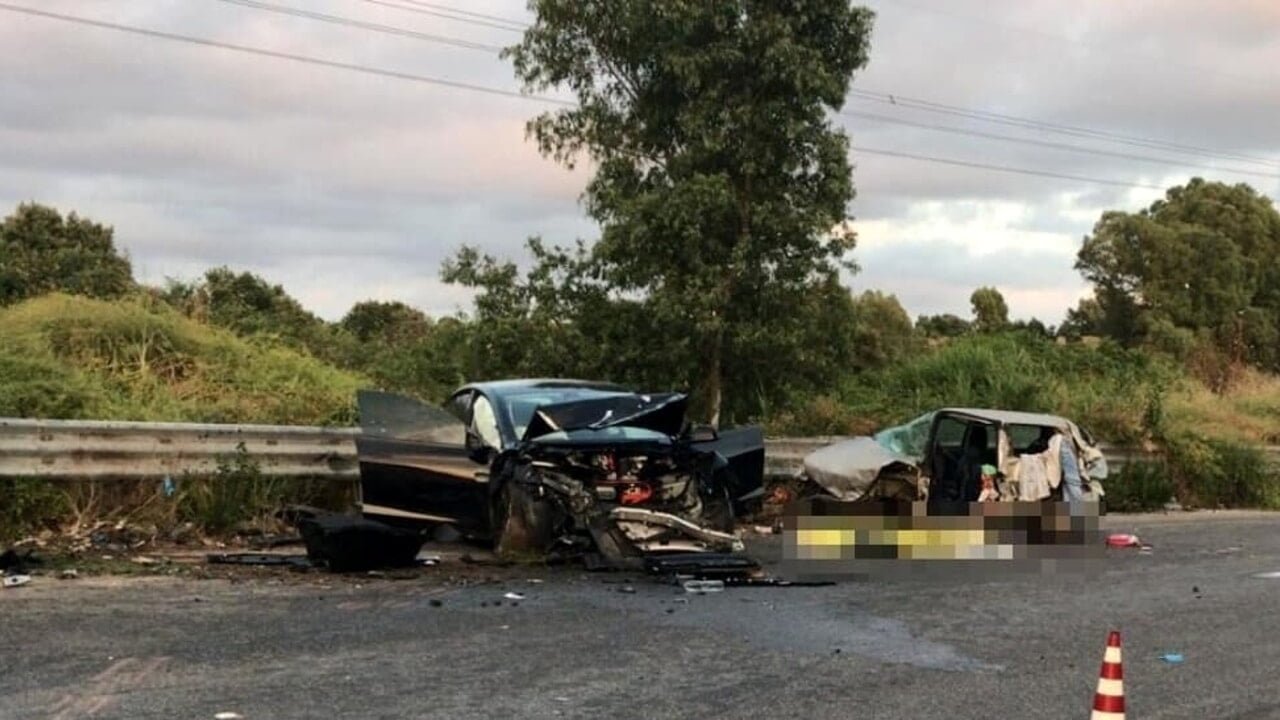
(650, 531)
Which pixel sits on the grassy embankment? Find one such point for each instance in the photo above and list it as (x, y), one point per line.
(136, 359)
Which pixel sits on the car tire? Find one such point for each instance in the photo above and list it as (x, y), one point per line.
(523, 523)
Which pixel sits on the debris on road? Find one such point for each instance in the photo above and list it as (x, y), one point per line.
(228, 716)
(1272, 575)
(144, 560)
(700, 587)
(69, 574)
(350, 543)
(1172, 658)
(1121, 540)
(13, 581)
(513, 596)
(11, 561)
(298, 561)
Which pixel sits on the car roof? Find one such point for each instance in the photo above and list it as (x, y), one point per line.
(500, 387)
(1010, 417)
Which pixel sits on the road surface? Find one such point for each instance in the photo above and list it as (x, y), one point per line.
(578, 647)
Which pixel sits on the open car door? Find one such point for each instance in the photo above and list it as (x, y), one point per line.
(414, 467)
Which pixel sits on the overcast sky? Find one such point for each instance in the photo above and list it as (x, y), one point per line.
(344, 186)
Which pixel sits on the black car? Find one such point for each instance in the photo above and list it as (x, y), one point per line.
(539, 465)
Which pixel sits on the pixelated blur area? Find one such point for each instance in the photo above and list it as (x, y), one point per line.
(862, 539)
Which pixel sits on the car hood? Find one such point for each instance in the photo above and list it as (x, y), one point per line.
(663, 413)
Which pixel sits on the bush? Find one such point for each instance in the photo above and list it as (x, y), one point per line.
(27, 504)
(1211, 473)
(1139, 486)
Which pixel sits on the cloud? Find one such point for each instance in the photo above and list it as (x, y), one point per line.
(343, 186)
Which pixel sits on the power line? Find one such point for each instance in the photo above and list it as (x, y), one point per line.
(447, 16)
(1049, 144)
(496, 91)
(1013, 29)
(360, 24)
(459, 11)
(1004, 168)
(283, 55)
(911, 102)
(1028, 123)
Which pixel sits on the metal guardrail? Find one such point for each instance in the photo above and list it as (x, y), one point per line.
(105, 450)
(76, 449)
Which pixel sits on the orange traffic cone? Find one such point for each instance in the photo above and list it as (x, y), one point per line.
(1108, 701)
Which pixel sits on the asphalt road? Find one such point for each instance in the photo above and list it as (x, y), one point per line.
(576, 646)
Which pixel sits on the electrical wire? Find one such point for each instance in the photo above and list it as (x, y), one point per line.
(1004, 168)
(434, 13)
(1049, 144)
(1027, 123)
(360, 24)
(147, 32)
(413, 77)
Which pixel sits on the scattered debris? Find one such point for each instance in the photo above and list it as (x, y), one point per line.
(13, 581)
(628, 589)
(1172, 658)
(1268, 575)
(69, 574)
(144, 560)
(1229, 550)
(703, 586)
(1123, 540)
(513, 596)
(1145, 550)
(351, 543)
(535, 581)
(228, 716)
(298, 561)
(267, 542)
(10, 560)
(435, 602)
(429, 561)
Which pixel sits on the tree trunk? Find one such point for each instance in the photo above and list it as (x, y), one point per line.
(714, 380)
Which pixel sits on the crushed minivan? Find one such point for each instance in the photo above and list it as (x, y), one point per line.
(539, 466)
(959, 455)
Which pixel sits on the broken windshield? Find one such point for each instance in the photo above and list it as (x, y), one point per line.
(909, 439)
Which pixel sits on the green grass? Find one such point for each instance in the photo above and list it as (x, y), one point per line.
(135, 359)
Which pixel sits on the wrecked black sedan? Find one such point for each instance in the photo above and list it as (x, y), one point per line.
(558, 466)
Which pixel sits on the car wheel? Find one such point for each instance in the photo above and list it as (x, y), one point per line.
(523, 523)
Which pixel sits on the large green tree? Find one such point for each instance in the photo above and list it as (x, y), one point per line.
(720, 184)
(1200, 262)
(41, 251)
(990, 311)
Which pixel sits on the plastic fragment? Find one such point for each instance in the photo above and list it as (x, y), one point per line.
(1172, 658)
(513, 596)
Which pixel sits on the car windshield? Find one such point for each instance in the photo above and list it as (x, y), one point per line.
(522, 405)
(909, 439)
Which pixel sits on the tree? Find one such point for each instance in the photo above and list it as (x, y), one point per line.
(42, 252)
(248, 304)
(721, 185)
(883, 331)
(1203, 258)
(389, 323)
(942, 326)
(990, 312)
